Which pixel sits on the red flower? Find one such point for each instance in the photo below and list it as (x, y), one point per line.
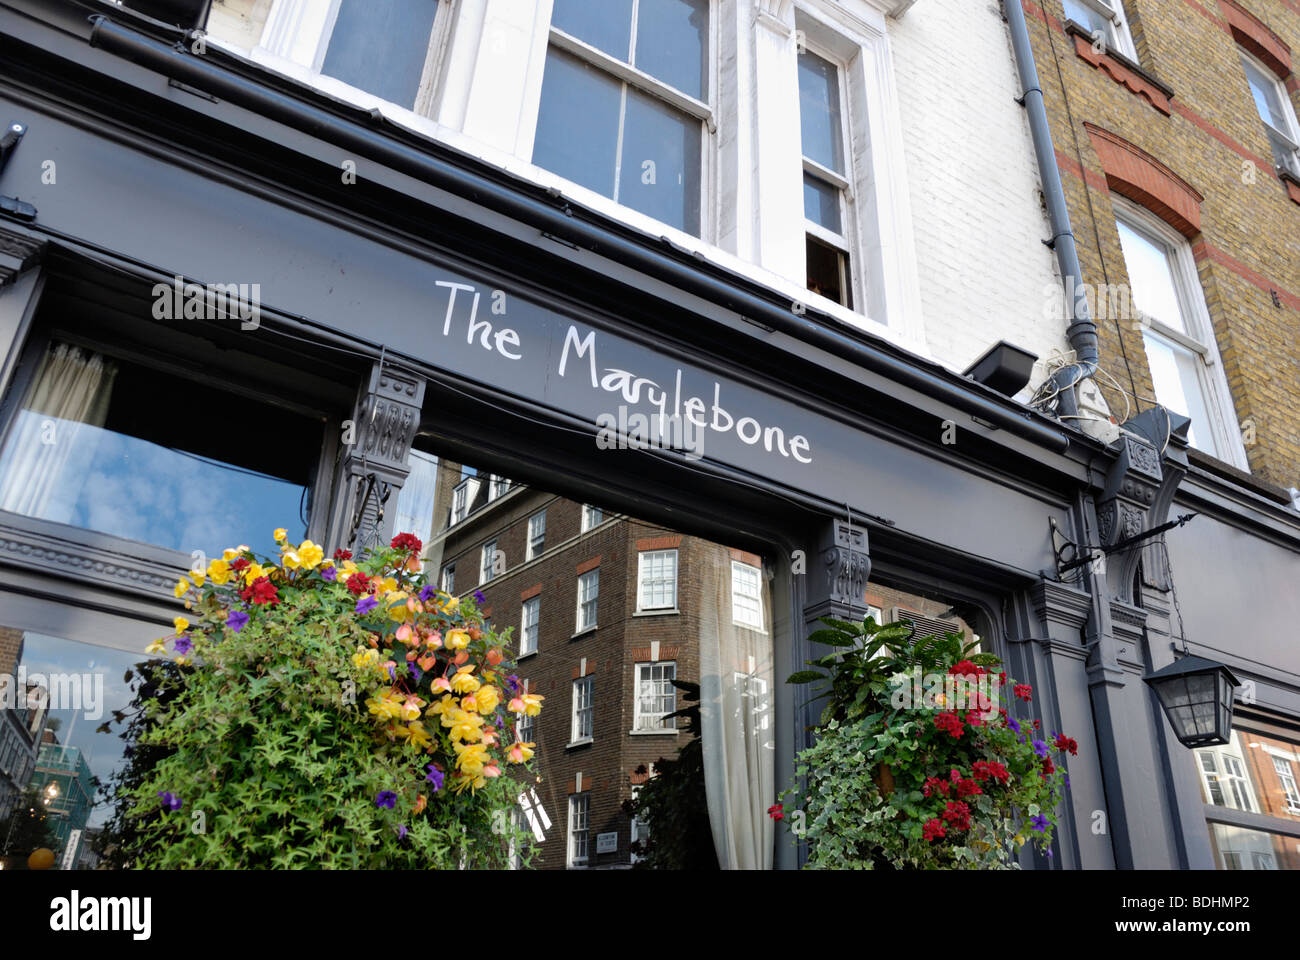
(341, 554)
(933, 830)
(989, 769)
(1024, 691)
(358, 583)
(934, 785)
(1048, 767)
(240, 565)
(957, 814)
(968, 788)
(260, 590)
(776, 811)
(407, 541)
(966, 669)
(950, 724)
(1064, 744)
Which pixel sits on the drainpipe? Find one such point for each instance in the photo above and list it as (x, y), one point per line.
(1082, 332)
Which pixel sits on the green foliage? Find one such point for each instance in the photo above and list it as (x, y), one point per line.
(950, 781)
(673, 805)
(277, 758)
(27, 828)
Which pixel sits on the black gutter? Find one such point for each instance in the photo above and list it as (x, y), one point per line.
(180, 66)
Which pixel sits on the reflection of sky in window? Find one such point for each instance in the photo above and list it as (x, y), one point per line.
(102, 751)
(128, 487)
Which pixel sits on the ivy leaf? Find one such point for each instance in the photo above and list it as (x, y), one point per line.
(805, 676)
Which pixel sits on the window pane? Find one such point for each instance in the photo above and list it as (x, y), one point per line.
(380, 46)
(1178, 386)
(671, 41)
(106, 445)
(1085, 16)
(1151, 277)
(660, 162)
(1268, 100)
(827, 271)
(577, 123)
(605, 24)
(821, 203)
(819, 111)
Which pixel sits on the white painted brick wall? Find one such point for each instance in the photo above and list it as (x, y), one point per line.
(975, 191)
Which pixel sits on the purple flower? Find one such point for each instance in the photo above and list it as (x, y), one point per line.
(329, 573)
(478, 597)
(416, 672)
(435, 777)
(237, 620)
(1048, 853)
(1039, 823)
(1040, 748)
(386, 798)
(1067, 781)
(512, 685)
(184, 644)
(401, 832)
(392, 672)
(366, 604)
(1011, 722)
(169, 800)
(427, 593)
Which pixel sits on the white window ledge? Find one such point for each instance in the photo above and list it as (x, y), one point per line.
(584, 631)
(653, 733)
(581, 742)
(666, 612)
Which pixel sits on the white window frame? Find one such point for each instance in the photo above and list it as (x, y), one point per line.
(1119, 34)
(536, 535)
(1290, 137)
(658, 722)
(486, 571)
(619, 70)
(583, 707)
(498, 486)
(590, 577)
(591, 517)
(1199, 337)
(645, 559)
(579, 825)
(842, 183)
(1287, 778)
(737, 566)
(530, 618)
(296, 37)
(448, 579)
(526, 729)
(1234, 784)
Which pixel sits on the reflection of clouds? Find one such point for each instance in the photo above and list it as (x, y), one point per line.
(132, 488)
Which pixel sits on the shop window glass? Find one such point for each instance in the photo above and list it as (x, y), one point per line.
(112, 446)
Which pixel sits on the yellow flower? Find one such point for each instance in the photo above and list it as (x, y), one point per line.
(397, 606)
(229, 553)
(487, 699)
(451, 605)
(156, 647)
(411, 709)
(457, 640)
(219, 571)
(385, 708)
(181, 624)
(310, 554)
(417, 735)
(386, 585)
(471, 758)
(364, 656)
(529, 703)
(441, 708)
(253, 571)
(199, 576)
(464, 682)
(290, 559)
(464, 725)
(280, 534)
(182, 585)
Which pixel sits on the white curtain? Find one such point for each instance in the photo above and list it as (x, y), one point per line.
(67, 400)
(737, 729)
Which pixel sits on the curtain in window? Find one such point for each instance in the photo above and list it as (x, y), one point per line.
(737, 731)
(67, 400)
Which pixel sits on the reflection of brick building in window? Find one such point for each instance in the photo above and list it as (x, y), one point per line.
(614, 609)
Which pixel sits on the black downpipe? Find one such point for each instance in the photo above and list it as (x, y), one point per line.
(1082, 331)
(184, 68)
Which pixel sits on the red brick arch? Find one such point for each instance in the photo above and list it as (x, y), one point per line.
(1134, 173)
(1249, 31)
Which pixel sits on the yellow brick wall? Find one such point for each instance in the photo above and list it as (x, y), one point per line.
(1249, 244)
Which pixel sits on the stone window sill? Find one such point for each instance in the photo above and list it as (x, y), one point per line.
(1121, 69)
